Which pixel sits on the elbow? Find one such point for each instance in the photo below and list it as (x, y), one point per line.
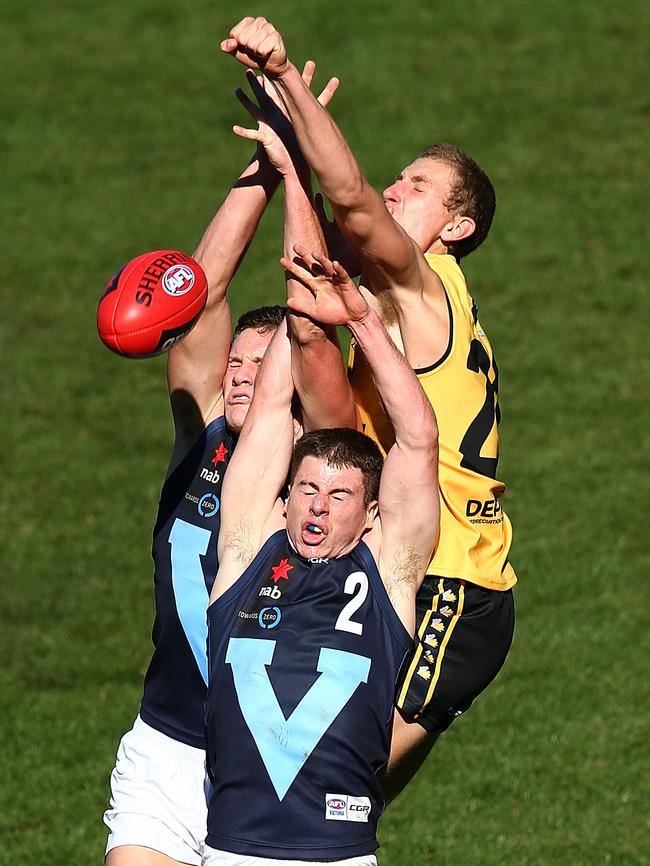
(350, 195)
(423, 430)
(305, 333)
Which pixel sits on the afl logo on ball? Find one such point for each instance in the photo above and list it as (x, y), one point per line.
(178, 280)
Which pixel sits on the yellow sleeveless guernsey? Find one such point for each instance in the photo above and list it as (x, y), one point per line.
(475, 533)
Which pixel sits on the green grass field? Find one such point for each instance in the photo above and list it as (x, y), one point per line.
(115, 139)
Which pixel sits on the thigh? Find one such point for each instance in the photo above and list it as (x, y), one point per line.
(135, 855)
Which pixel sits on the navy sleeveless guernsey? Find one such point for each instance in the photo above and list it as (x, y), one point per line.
(185, 564)
(304, 656)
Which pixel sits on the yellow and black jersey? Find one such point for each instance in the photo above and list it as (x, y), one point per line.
(462, 386)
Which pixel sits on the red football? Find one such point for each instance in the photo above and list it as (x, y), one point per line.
(151, 303)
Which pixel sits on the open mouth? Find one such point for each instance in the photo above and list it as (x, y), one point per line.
(312, 534)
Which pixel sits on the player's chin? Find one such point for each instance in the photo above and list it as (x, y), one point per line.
(311, 551)
(235, 416)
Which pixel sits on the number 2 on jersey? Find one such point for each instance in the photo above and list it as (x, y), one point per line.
(345, 622)
(478, 431)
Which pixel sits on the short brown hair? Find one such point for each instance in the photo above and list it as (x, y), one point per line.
(472, 195)
(342, 447)
(262, 319)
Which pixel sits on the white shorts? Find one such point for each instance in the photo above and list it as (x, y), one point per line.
(212, 857)
(159, 795)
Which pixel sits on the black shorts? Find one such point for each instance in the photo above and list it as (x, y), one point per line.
(463, 634)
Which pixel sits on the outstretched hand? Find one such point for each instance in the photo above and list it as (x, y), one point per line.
(257, 44)
(274, 132)
(333, 298)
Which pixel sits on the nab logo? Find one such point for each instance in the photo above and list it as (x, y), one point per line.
(269, 617)
(211, 475)
(178, 280)
(270, 592)
(208, 505)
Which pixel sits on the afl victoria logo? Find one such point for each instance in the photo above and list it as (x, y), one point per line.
(178, 280)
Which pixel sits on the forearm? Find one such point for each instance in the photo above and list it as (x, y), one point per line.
(301, 226)
(405, 403)
(321, 142)
(261, 460)
(232, 228)
(320, 379)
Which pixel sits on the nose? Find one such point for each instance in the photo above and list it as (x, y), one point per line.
(319, 504)
(243, 374)
(391, 193)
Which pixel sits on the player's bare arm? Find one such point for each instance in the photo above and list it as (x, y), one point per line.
(321, 381)
(408, 497)
(389, 255)
(319, 376)
(197, 364)
(249, 505)
(408, 494)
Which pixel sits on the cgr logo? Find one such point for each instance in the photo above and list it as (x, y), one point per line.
(208, 505)
(269, 617)
(178, 280)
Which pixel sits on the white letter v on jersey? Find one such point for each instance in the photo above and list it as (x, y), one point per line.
(285, 744)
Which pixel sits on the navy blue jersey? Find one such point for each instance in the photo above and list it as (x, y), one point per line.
(185, 557)
(304, 655)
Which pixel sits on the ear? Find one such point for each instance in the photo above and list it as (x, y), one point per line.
(458, 229)
(372, 512)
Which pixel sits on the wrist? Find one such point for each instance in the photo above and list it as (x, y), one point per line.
(262, 170)
(285, 74)
(363, 326)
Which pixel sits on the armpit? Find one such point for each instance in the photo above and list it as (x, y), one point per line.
(240, 541)
(404, 572)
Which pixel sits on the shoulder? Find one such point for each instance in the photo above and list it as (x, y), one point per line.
(446, 272)
(198, 438)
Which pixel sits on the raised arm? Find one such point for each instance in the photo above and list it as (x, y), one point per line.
(319, 375)
(196, 365)
(259, 466)
(408, 499)
(388, 254)
(320, 378)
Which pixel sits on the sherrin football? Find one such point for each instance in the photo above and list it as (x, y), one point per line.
(151, 303)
